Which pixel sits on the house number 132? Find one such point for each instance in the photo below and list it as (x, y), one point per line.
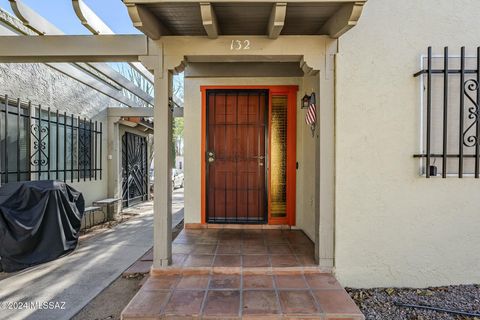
(240, 45)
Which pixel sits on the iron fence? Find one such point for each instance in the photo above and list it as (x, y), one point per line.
(39, 144)
(450, 124)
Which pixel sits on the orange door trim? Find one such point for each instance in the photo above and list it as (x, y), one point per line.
(291, 92)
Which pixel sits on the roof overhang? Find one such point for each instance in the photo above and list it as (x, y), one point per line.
(157, 18)
(142, 124)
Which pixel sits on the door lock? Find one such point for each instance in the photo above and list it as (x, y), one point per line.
(261, 160)
(211, 156)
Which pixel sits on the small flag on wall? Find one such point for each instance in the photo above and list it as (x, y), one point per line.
(311, 116)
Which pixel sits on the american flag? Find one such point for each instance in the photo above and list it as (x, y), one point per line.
(311, 116)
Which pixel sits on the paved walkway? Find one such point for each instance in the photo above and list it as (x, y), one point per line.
(177, 201)
(73, 281)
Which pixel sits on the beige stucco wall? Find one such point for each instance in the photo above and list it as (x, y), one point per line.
(306, 170)
(394, 228)
(192, 134)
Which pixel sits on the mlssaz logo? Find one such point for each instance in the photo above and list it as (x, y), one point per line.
(32, 305)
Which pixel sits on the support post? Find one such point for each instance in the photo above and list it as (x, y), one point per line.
(114, 160)
(162, 250)
(325, 163)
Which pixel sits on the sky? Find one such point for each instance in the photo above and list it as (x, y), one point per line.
(61, 14)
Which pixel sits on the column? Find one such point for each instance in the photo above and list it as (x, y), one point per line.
(325, 162)
(162, 249)
(114, 160)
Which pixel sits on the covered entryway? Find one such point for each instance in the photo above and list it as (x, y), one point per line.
(134, 169)
(236, 156)
(169, 49)
(257, 47)
(269, 39)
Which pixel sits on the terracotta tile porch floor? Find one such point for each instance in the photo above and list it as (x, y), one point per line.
(249, 274)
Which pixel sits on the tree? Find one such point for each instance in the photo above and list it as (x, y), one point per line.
(177, 97)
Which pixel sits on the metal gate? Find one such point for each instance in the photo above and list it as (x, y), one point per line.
(134, 169)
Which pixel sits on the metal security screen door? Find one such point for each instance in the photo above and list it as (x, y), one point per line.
(236, 156)
(134, 169)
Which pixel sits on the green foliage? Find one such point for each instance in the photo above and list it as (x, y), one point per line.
(177, 137)
(178, 125)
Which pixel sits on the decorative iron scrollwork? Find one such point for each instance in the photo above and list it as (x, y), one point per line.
(39, 135)
(84, 151)
(47, 144)
(134, 165)
(470, 138)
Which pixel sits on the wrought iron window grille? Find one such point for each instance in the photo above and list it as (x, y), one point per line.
(37, 143)
(450, 128)
(134, 169)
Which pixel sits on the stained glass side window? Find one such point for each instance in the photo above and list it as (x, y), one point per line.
(278, 153)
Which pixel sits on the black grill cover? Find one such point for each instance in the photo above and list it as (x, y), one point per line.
(39, 222)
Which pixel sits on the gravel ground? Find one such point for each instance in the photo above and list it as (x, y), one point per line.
(380, 304)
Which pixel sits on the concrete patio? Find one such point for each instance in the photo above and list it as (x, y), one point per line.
(238, 250)
(249, 274)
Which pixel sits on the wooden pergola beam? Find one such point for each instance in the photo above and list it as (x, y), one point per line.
(243, 1)
(89, 19)
(277, 20)
(106, 48)
(130, 112)
(97, 26)
(343, 20)
(209, 19)
(33, 20)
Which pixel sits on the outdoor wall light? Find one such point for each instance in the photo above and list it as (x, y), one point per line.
(305, 101)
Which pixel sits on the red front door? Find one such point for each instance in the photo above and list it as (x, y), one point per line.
(235, 156)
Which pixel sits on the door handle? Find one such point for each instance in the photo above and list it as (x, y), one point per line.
(260, 160)
(211, 156)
